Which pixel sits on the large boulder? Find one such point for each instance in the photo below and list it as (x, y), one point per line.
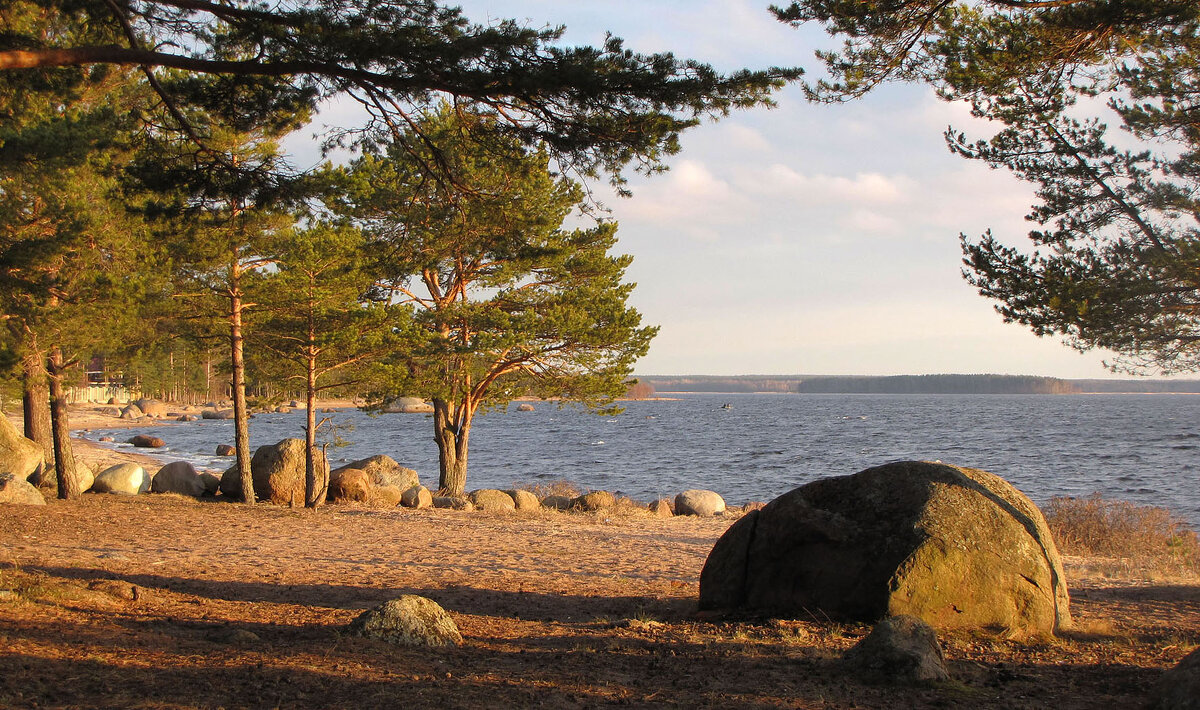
(278, 471)
(132, 411)
(417, 497)
(151, 407)
(178, 477)
(957, 547)
(15, 489)
(147, 441)
(593, 501)
(525, 500)
(124, 478)
(490, 500)
(384, 471)
(409, 620)
(216, 414)
(349, 484)
(697, 502)
(1179, 687)
(19, 456)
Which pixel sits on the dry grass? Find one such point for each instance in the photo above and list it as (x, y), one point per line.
(1131, 537)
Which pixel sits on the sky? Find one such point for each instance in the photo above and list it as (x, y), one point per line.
(805, 239)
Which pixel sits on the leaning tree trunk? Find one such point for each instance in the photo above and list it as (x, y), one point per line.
(69, 485)
(452, 448)
(241, 419)
(35, 401)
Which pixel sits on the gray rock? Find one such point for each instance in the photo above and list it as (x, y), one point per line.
(901, 649)
(178, 477)
(132, 411)
(211, 482)
(408, 405)
(525, 408)
(216, 414)
(491, 500)
(525, 500)
(957, 547)
(19, 456)
(417, 497)
(226, 450)
(14, 489)
(454, 502)
(409, 620)
(557, 502)
(699, 502)
(124, 478)
(1179, 687)
(151, 407)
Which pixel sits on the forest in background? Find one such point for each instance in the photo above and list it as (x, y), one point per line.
(911, 384)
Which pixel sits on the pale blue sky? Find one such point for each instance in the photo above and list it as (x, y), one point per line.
(805, 239)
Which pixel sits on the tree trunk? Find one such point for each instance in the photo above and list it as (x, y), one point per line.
(35, 401)
(316, 482)
(241, 419)
(64, 458)
(452, 448)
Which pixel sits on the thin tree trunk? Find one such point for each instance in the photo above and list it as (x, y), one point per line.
(241, 420)
(64, 459)
(316, 479)
(35, 401)
(452, 449)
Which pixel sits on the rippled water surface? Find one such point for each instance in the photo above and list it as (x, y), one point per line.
(1141, 448)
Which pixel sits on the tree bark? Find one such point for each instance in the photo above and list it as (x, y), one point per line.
(241, 420)
(452, 440)
(316, 480)
(35, 403)
(64, 458)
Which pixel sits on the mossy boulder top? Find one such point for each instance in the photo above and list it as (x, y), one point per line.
(957, 547)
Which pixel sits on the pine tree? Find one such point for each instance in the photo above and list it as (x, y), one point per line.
(505, 300)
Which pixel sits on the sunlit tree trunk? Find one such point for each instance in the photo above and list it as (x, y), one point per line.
(64, 459)
(237, 361)
(451, 434)
(35, 402)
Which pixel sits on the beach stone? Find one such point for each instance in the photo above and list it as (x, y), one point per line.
(409, 620)
(699, 502)
(956, 547)
(15, 489)
(526, 408)
(349, 484)
(278, 471)
(593, 501)
(124, 478)
(384, 471)
(417, 497)
(491, 500)
(211, 482)
(132, 411)
(186, 418)
(1179, 687)
(525, 500)
(408, 405)
(226, 450)
(901, 649)
(151, 407)
(231, 482)
(178, 477)
(557, 502)
(216, 414)
(662, 508)
(109, 411)
(385, 496)
(107, 439)
(146, 441)
(19, 456)
(454, 502)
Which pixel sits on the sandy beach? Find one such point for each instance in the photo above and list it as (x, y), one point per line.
(165, 602)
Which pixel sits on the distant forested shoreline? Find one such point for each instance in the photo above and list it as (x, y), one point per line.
(911, 384)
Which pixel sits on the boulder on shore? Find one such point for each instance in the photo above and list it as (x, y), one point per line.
(699, 502)
(956, 547)
(490, 500)
(279, 471)
(19, 456)
(417, 497)
(151, 407)
(178, 477)
(384, 471)
(1179, 687)
(146, 441)
(125, 478)
(593, 501)
(409, 620)
(15, 489)
(349, 484)
(525, 500)
(900, 649)
(408, 405)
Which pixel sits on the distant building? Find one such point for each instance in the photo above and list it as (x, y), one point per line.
(99, 386)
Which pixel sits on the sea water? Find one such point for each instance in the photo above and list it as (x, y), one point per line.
(753, 447)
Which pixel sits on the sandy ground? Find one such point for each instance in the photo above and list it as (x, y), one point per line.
(166, 602)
